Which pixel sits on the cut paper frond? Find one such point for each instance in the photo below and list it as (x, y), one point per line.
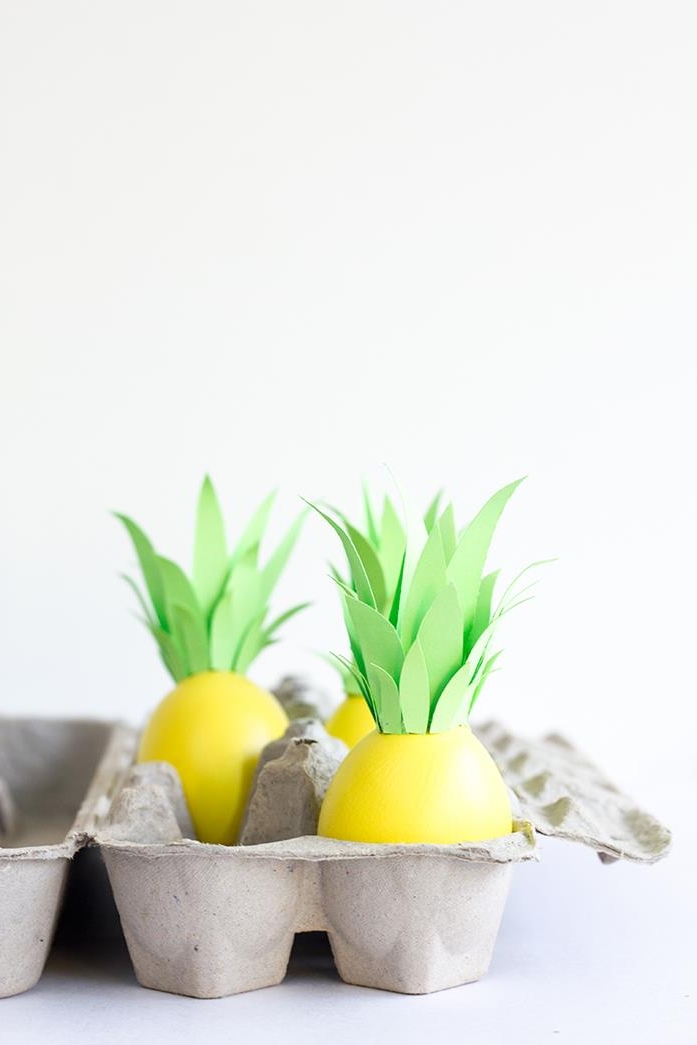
(422, 654)
(216, 619)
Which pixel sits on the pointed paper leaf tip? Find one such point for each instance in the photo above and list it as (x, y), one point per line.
(423, 653)
(216, 618)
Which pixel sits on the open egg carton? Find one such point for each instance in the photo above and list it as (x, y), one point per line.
(211, 920)
(55, 780)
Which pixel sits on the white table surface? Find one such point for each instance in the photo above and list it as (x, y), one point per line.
(586, 954)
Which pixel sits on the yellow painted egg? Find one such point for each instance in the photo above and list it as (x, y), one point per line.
(212, 728)
(351, 721)
(432, 788)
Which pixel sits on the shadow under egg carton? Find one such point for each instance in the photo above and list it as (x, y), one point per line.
(55, 780)
(209, 920)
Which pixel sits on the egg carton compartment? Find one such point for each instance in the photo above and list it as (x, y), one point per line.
(208, 920)
(55, 777)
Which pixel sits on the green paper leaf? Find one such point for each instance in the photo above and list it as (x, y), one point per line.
(467, 563)
(371, 564)
(190, 632)
(358, 572)
(377, 639)
(440, 637)
(171, 657)
(275, 624)
(484, 675)
(271, 573)
(211, 566)
(222, 636)
(361, 681)
(431, 513)
(416, 540)
(178, 591)
(348, 679)
(177, 587)
(397, 598)
(369, 517)
(247, 546)
(477, 655)
(219, 618)
(448, 532)
(148, 562)
(450, 701)
(482, 614)
(510, 593)
(245, 590)
(389, 712)
(429, 578)
(251, 645)
(391, 546)
(414, 690)
(147, 612)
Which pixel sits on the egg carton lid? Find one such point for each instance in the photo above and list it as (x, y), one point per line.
(564, 795)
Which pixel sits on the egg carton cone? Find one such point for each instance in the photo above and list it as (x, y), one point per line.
(54, 782)
(209, 920)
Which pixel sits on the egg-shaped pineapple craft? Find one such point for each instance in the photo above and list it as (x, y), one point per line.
(209, 628)
(420, 663)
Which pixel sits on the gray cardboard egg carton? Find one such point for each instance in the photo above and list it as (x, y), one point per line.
(55, 779)
(209, 920)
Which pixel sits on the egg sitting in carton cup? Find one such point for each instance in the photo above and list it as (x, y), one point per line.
(399, 843)
(210, 920)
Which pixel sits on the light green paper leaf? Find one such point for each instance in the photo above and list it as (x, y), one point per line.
(178, 591)
(453, 704)
(222, 638)
(397, 597)
(448, 532)
(277, 563)
(510, 593)
(211, 565)
(484, 675)
(190, 634)
(348, 678)
(431, 513)
(477, 655)
(386, 696)
(149, 619)
(149, 567)
(429, 578)
(171, 658)
(377, 639)
(275, 624)
(361, 681)
(358, 572)
(416, 539)
(467, 563)
(391, 545)
(482, 614)
(370, 523)
(248, 544)
(414, 690)
(371, 563)
(440, 637)
(450, 701)
(251, 645)
(245, 590)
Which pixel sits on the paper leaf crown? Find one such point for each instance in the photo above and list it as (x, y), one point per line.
(423, 651)
(217, 619)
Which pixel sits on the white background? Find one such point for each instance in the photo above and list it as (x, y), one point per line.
(288, 243)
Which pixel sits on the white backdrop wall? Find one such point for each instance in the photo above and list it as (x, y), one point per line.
(286, 243)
